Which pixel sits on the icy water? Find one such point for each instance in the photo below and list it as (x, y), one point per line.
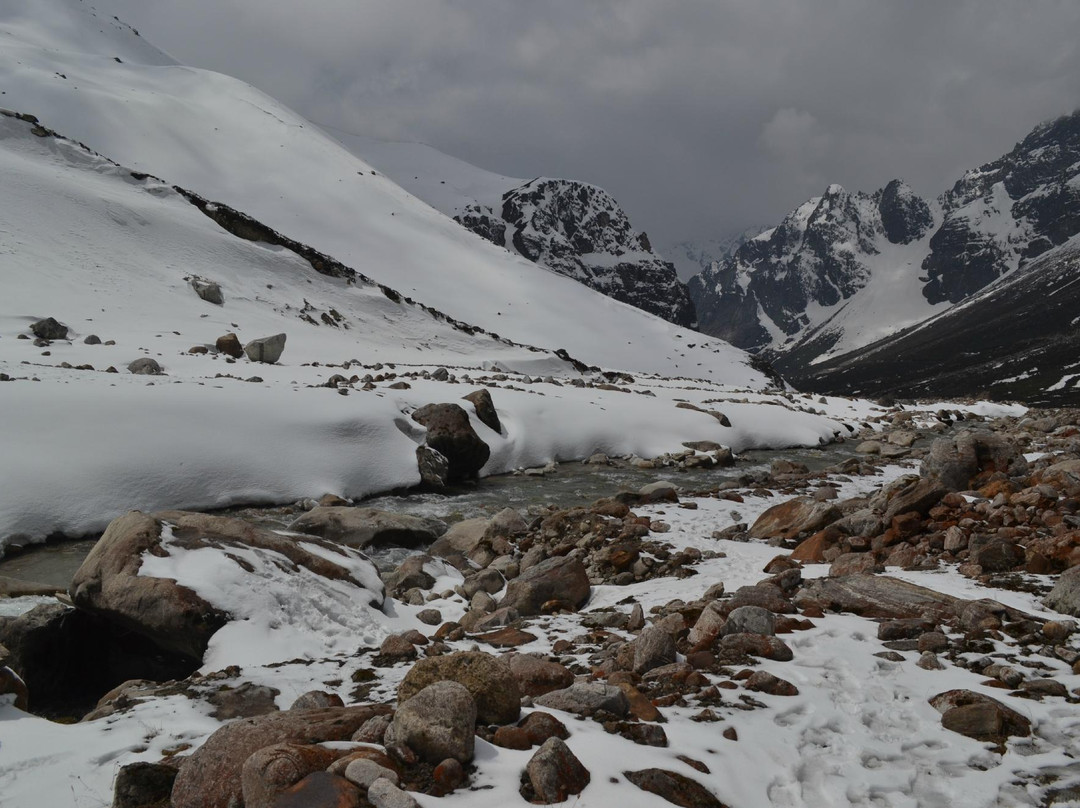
(571, 484)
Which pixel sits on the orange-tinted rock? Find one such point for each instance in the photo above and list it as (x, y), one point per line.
(321, 790)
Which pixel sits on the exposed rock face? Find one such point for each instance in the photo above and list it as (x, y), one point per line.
(109, 584)
(212, 775)
(580, 231)
(873, 596)
(437, 723)
(359, 527)
(816, 256)
(450, 433)
(1030, 186)
(266, 349)
(488, 679)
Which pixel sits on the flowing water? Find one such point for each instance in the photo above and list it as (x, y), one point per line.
(571, 484)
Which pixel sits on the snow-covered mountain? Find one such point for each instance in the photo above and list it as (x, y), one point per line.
(89, 77)
(1015, 339)
(846, 269)
(842, 268)
(577, 229)
(693, 257)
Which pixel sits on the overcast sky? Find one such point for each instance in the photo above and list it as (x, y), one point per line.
(701, 116)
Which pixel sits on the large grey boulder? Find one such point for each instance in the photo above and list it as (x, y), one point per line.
(437, 723)
(266, 349)
(585, 699)
(653, 647)
(145, 366)
(488, 679)
(359, 527)
(871, 595)
(450, 433)
(954, 461)
(561, 581)
(1065, 596)
(790, 519)
(208, 291)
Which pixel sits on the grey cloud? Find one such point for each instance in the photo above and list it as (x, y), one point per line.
(701, 116)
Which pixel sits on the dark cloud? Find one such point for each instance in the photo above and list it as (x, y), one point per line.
(700, 116)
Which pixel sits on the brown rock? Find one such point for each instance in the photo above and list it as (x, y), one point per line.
(676, 788)
(507, 637)
(229, 344)
(320, 790)
(979, 717)
(359, 527)
(790, 519)
(765, 682)
(562, 579)
(274, 769)
(874, 596)
(211, 776)
(757, 645)
(437, 723)
(450, 433)
(854, 564)
(512, 738)
(640, 706)
(485, 408)
(536, 676)
(554, 773)
(540, 726)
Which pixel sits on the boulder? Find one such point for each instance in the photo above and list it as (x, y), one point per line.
(410, 574)
(1065, 596)
(384, 794)
(485, 408)
(676, 788)
(145, 367)
(109, 583)
(276, 768)
(980, 717)
(461, 537)
(561, 581)
(909, 493)
(790, 519)
(49, 329)
(750, 620)
(321, 790)
(212, 775)
(488, 679)
(653, 647)
(554, 773)
(438, 722)
(954, 461)
(266, 349)
(536, 675)
(359, 527)
(143, 785)
(208, 291)
(229, 344)
(873, 596)
(585, 699)
(433, 466)
(451, 434)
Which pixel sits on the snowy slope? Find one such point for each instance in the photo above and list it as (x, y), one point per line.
(230, 143)
(110, 254)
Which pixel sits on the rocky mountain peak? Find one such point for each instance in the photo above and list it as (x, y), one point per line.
(905, 216)
(579, 230)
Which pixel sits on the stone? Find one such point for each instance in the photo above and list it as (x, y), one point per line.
(274, 769)
(653, 647)
(485, 408)
(451, 434)
(360, 527)
(433, 466)
(49, 329)
(585, 699)
(512, 738)
(954, 461)
(436, 723)
(385, 794)
(757, 645)
(410, 574)
(373, 730)
(11, 684)
(659, 491)
(92, 339)
(678, 789)
(429, 617)
(509, 523)
(109, 583)
(245, 701)
(907, 494)
(448, 776)
(143, 785)
(540, 726)
(980, 717)
(562, 579)
(229, 344)
(994, 554)
(364, 771)
(208, 291)
(396, 648)
(211, 775)
(790, 519)
(554, 773)
(1065, 596)
(765, 682)
(487, 678)
(319, 790)
(316, 700)
(750, 620)
(145, 367)
(462, 537)
(266, 349)
(709, 624)
(849, 564)
(873, 596)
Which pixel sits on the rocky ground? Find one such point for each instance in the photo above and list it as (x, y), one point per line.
(893, 630)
